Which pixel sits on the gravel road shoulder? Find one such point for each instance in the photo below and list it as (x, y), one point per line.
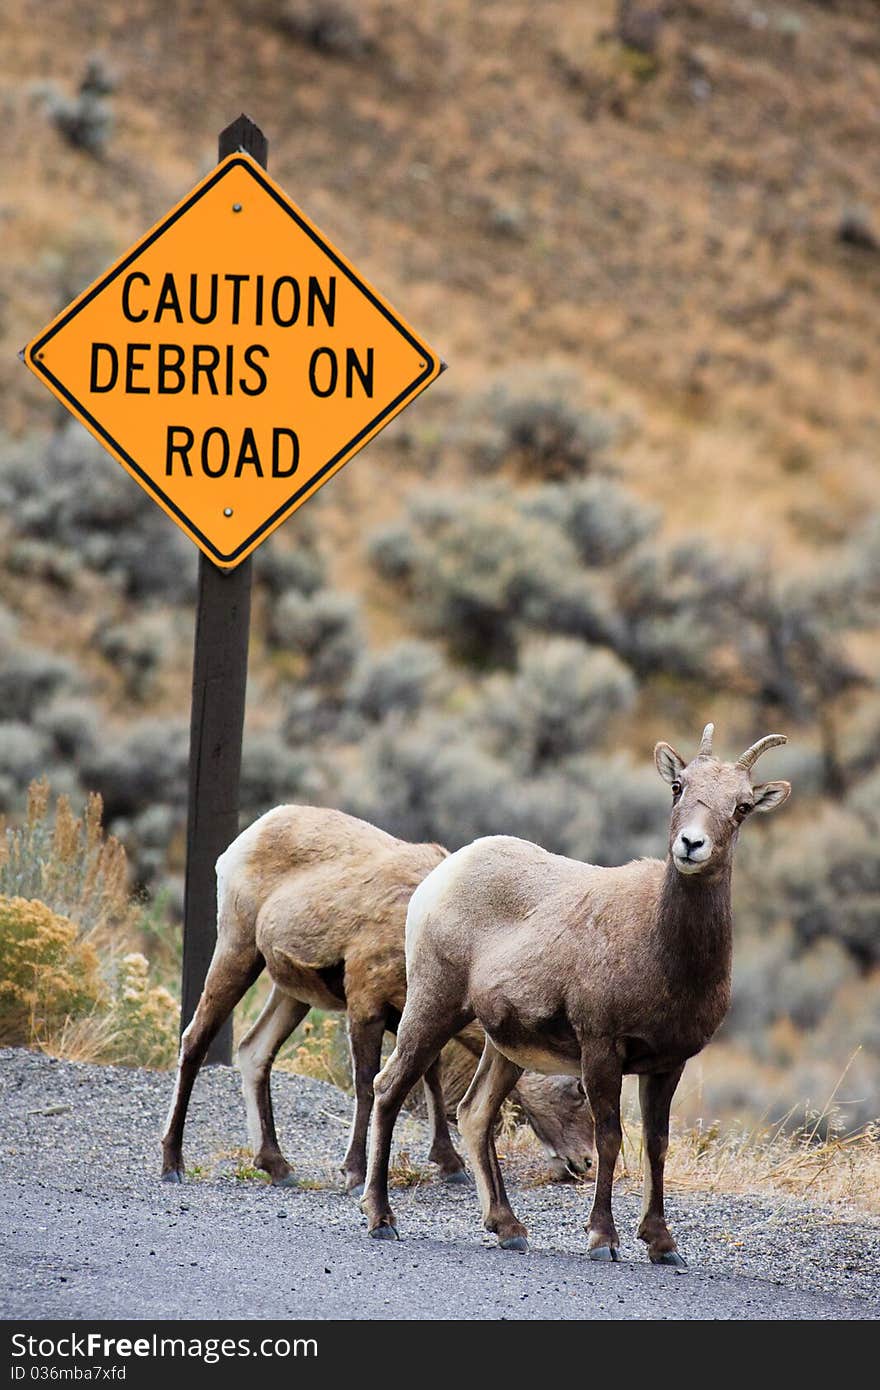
(89, 1231)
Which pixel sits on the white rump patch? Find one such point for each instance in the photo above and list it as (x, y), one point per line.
(233, 859)
(435, 891)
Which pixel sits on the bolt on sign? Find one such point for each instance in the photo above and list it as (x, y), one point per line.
(232, 360)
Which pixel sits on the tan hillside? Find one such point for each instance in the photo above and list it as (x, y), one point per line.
(528, 192)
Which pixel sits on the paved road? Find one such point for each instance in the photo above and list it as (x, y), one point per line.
(88, 1231)
(77, 1255)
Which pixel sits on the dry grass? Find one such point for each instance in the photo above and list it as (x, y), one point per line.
(818, 1162)
(92, 1038)
(404, 1171)
(841, 1171)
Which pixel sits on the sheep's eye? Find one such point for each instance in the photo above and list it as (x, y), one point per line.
(676, 789)
(743, 808)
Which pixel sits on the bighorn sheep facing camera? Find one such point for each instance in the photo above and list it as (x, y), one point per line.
(320, 899)
(593, 972)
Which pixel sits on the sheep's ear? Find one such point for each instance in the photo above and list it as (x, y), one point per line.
(670, 764)
(769, 795)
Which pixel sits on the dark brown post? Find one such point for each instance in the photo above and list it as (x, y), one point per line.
(216, 724)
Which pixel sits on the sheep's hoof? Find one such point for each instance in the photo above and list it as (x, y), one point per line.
(172, 1175)
(457, 1179)
(354, 1181)
(668, 1257)
(289, 1180)
(518, 1243)
(385, 1232)
(604, 1254)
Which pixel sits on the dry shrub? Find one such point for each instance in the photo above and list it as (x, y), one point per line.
(47, 973)
(320, 1051)
(66, 920)
(53, 995)
(68, 863)
(143, 1017)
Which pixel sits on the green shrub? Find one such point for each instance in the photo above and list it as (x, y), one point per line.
(279, 570)
(827, 883)
(677, 606)
(480, 576)
(64, 489)
(334, 27)
(602, 519)
(29, 678)
(558, 704)
(322, 631)
(146, 764)
(428, 782)
(534, 428)
(272, 773)
(395, 681)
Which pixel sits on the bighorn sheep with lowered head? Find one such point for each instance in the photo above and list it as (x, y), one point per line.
(593, 972)
(320, 898)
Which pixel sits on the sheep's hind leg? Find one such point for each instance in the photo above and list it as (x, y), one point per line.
(256, 1053)
(230, 975)
(443, 1153)
(493, 1081)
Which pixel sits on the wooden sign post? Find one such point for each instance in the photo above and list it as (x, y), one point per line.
(220, 660)
(232, 361)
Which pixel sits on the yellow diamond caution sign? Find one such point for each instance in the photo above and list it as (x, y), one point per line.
(233, 360)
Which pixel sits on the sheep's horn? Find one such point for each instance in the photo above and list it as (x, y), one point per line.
(751, 755)
(706, 742)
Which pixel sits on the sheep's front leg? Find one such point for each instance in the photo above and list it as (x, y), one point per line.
(602, 1077)
(365, 1043)
(425, 1028)
(655, 1098)
(493, 1081)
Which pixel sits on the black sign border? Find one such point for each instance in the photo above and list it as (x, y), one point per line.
(237, 161)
